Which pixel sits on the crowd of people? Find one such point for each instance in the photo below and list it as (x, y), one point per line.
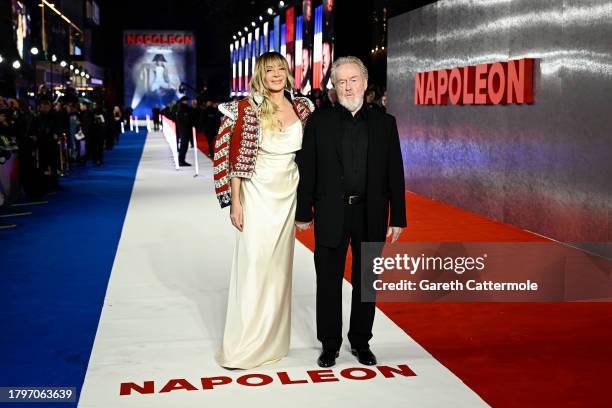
(203, 114)
(52, 136)
(55, 134)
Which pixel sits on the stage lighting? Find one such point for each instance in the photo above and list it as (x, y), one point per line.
(260, 18)
(16, 64)
(87, 76)
(281, 4)
(270, 10)
(71, 67)
(239, 33)
(76, 71)
(82, 73)
(63, 64)
(1, 59)
(53, 58)
(234, 37)
(246, 29)
(253, 23)
(34, 51)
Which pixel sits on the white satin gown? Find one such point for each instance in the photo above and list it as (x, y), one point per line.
(258, 321)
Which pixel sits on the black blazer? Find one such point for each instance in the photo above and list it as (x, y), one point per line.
(321, 184)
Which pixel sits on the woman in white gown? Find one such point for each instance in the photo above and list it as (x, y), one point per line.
(257, 327)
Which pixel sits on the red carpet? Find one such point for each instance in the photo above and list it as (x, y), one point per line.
(511, 354)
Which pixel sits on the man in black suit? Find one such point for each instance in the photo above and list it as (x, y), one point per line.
(156, 113)
(210, 123)
(352, 175)
(184, 124)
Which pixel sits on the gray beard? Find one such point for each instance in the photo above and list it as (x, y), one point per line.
(351, 107)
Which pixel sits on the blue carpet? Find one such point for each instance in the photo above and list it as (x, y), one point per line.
(54, 271)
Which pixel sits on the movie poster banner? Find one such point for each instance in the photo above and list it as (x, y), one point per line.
(327, 49)
(317, 49)
(241, 66)
(253, 53)
(233, 61)
(155, 63)
(298, 53)
(290, 38)
(305, 85)
(277, 36)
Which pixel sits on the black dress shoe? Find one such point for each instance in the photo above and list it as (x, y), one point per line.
(328, 358)
(183, 164)
(364, 355)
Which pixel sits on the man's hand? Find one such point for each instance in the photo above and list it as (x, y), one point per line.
(394, 232)
(303, 226)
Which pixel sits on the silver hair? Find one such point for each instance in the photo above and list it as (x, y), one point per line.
(349, 59)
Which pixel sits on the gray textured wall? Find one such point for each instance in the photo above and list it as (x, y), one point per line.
(545, 167)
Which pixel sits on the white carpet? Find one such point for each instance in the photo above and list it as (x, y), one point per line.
(164, 312)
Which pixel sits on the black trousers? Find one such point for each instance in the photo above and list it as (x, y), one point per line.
(210, 138)
(183, 145)
(109, 143)
(97, 145)
(29, 176)
(329, 265)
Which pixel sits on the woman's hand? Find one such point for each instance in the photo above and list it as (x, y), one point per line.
(236, 214)
(303, 226)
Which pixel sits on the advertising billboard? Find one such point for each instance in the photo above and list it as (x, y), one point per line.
(155, 63)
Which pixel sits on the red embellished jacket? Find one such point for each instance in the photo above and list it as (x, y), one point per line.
(237, 142)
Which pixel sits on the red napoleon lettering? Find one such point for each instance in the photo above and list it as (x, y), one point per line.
(258, 380)
(158, 39)
(508, 82)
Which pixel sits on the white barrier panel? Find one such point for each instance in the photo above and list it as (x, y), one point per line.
(195, 152)
(148, 123)
(169, 132)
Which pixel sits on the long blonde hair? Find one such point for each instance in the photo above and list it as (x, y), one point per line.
(257, 85)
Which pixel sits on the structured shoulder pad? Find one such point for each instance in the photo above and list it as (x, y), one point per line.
(305, 101)
(229, 109)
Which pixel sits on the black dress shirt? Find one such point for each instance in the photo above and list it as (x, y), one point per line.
(354, 150)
